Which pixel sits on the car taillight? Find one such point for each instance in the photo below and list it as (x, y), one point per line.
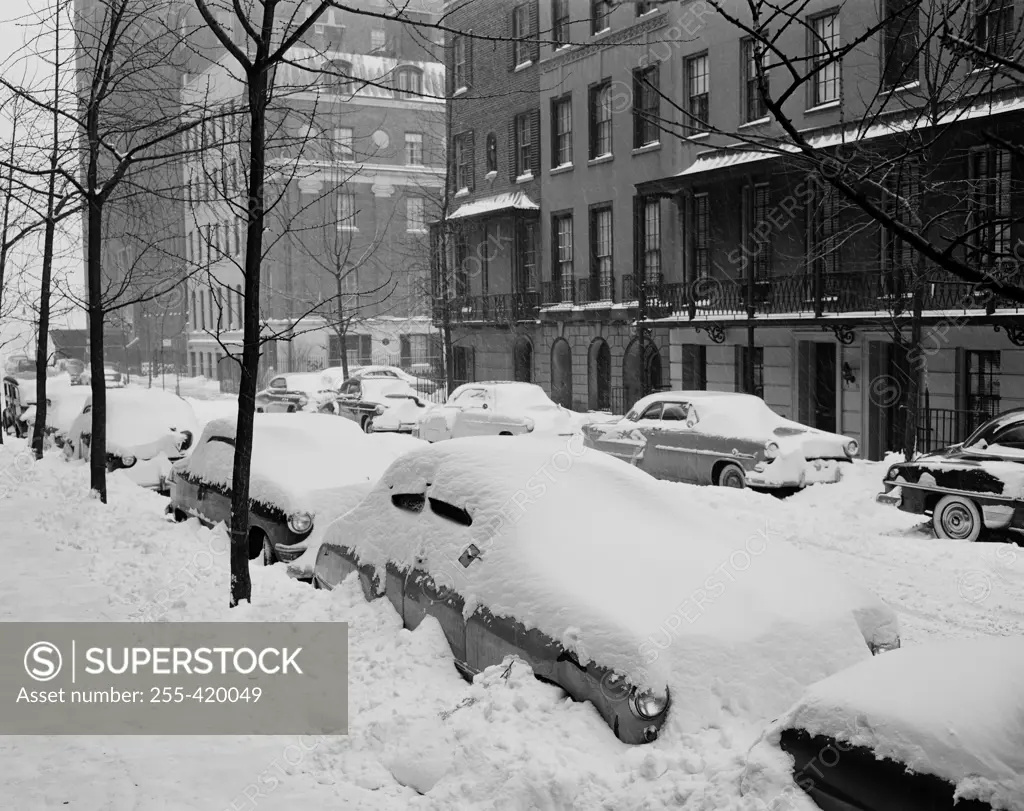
(187, 442)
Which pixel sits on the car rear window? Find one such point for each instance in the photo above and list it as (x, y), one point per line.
(413, 502)
(451, 512)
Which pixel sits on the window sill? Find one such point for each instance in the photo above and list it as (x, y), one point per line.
(491, 175)
(903, 88)
(525, 178)
(983, 69)
(415, 230)
(563, 47)
(558, 170)
(651, 147)
(462, 193)
(698, 136)
(460, 91)
(606, 158)
(523, 66)
(348, 229)
(603, 32)
(822, 108)
(760, 122)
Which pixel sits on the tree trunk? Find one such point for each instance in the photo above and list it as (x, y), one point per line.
(241, 584)
(93, 264)
(43, 341)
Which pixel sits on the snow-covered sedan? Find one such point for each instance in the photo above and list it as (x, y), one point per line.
(63, 405)
(498, 408)
(147, 431)
(968, 488)
(935, 726)
(722, 438)
(379, 404)
(307, 469)
(421, 385)
(526, 549)
(295, 391)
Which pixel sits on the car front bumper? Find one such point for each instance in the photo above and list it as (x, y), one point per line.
(892, 498)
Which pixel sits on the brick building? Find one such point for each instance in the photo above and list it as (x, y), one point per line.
(663, 187)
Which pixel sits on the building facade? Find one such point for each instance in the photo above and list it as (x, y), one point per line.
(355, 171)
(674, 212)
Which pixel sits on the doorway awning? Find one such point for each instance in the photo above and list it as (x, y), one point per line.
(497, 202)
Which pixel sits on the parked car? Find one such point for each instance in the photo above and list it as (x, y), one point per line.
(498, 408)
(935, 727)
(423, 386)
(12, 419)
(722, 438)
(147, 431)
(307, 469)
(75, 368)
(967, 488)
(379, 404)
(578, 573)
(295, 391)
(113, 378)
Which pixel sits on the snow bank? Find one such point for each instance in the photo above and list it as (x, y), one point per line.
(951, 709)
(590, 552)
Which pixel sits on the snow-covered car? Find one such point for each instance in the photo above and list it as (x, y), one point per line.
(147, 431)
(498, 408)
(524, 548)
(307, 469)
(379, 404)
(296, 391)
(936, 726)
(64, 402)
(968, 488)
(112, 377)
(75, 369)
(722, 438)
(421, 385)
(12, 419)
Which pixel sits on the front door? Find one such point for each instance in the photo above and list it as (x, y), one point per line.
(817, 389)
(671, 451)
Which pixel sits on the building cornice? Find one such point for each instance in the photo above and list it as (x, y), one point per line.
(585, 50)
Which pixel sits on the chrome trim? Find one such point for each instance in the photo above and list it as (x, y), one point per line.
(949, 491)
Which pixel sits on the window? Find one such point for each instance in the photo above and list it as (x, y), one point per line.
(901, 202)
(990, 206)
(701, 237)
(600, 12)
(461, 266)
(601, 251)
(561, 131)
(600, 113)
(484, 251)
(652, 241)
(698, 92)
(563, 255)
(346, 211)
(526, 250)
(760, 230)
(900, 31)
(823, 238)
(492, 153)
(825, 60)
(643, 8)
(982, 370)
(993, 27)
(414, 222)
(338, 73)
(560, 22)
(646, 106)
(343, 143)
(461, 164)
(743, 362)
(377, 39)
(414, 148)
(524, 145)
(460, 64)
(410, 83)
(521, 51)
(753, 101)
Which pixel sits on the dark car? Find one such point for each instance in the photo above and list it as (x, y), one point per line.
(968, 488)
(293, 392)
(911, 730)
(378, 403)
(14, 408)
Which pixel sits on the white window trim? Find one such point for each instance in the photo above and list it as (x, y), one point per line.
(523, 66)
(760, 122)
(523, 178)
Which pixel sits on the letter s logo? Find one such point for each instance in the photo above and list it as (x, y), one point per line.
(43, 661)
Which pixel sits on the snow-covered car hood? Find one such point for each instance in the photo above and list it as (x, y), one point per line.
(555, 419)
(400, 412)
(954, 709)
(143, 423)
(664, 592)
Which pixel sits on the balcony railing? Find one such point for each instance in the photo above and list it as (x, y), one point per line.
(499, 308)
(587, 290)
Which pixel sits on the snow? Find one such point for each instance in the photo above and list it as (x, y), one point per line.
(953, 709)
(693, 602)
(509, 741)
(142, 422)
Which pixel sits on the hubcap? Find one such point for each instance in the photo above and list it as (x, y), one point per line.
(957, 521)
(732, 479)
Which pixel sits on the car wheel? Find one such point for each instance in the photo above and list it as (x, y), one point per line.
(732, 476)
(956, 518)
(179, 515)
(269, 559)
(367, 425)
(505, 433)
(328, 408)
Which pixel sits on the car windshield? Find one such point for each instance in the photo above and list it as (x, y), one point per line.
(376, 387)
(1006, 431)
(522, 397)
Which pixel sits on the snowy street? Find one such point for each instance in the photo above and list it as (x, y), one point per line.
(506, 742)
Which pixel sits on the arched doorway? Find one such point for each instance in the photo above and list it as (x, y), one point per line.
(632, 380)
(561, 373)
(522, 360)
(599, 375)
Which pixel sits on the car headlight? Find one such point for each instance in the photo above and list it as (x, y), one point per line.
(300, 522)
(852, 448)
(530, 425)
(127, 460)
(893, 473)
(187, 442)
(647, 703)
(303, 400)
(771, 449)
(379, 410)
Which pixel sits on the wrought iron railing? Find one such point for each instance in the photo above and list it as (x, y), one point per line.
(499, 308)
